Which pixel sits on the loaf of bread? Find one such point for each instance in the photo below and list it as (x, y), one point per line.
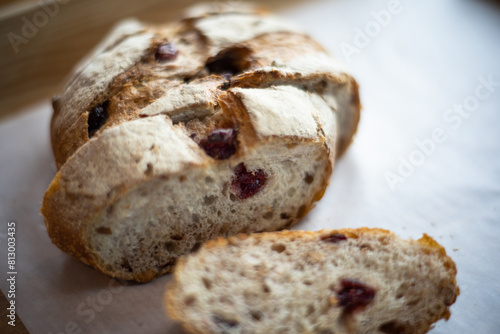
(168, 136)
(356, 281)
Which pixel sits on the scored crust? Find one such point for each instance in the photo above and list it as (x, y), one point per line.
(124, 71)
(289, 281)
(293, 109)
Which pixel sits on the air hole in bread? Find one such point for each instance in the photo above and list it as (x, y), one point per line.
(309, 178)
(366, 247)
(412, 302)
(320, 86)
(189, 300)
(103, 230)
(392, 327)
(209, 180)
(209, 200)
(401, 291)
(307, 282)
(284, 215)
(207, 283)
(170, 246)
(291, 192)
(126, 265)
(268, 215)
(266, 288)
(176, 237)
(280, 248)
(149, 169)
(310, 310)
(256, 315)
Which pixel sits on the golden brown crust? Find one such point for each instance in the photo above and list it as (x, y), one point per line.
(347, 121)
(72, 204)
(145, 81)
(64, 234)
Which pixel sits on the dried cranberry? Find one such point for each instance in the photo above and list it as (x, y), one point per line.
(245, 184)
(220, 144)
(97, 117)
(334, 238)
(227, 80)
(226, 76)
(354, 295)
(166, 52)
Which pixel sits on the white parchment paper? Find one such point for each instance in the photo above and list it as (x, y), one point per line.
(430, 83)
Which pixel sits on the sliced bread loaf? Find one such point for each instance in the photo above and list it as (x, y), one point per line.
(170, 135)
(360, 281)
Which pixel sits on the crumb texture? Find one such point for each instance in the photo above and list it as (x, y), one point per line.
(356, 281)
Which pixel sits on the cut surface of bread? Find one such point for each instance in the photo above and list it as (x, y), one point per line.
(359, 281)
(167, 136)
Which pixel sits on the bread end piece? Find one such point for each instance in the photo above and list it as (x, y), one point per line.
(332, 281)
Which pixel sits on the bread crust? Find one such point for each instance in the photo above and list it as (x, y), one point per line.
(294, 59)
(157, 113)
(426, 246)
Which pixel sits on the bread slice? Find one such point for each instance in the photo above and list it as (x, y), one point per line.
(362, 281)
(171, 135)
